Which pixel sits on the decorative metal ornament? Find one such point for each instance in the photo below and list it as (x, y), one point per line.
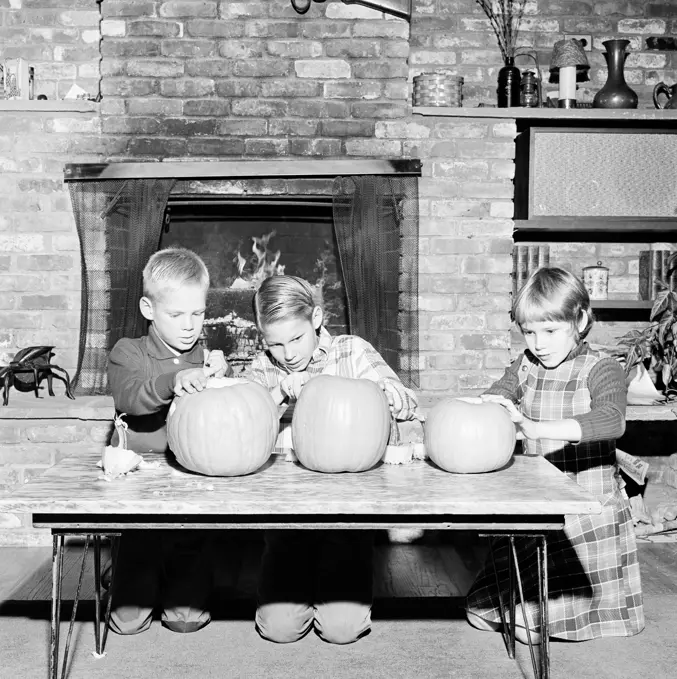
(398, 8)
(28, 368)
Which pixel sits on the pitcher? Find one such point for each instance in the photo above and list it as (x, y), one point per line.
(670, 91)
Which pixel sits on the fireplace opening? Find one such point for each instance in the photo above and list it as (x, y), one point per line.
(243, 241)
(355, 239)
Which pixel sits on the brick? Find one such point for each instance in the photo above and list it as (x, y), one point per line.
(185, 127)
(193, 49)
(294, 49)
(386, 70)
(241, 49)
(642, 26)
(238, 88)
(266, 147)
(316, 147)
(378, 110)
(293, 128)
(128, 8)
(189, 8)
(157, 69)
(436, 58)
(322, 68)
(187, 88)
(374, 147)
(216, 147)
(355, 49)
(337, 10)
(129, 88)
(242, 128)
(401, 129)
(272, 29)
(230, 9)
(290, 88)
(55, 433)
(326, 29)
(347, 128)
(152, 106)
(461, 170)
(22, 243)
(156, 148)
(392, 30)
(267, 108)
(153, 28)
(5, 262)
(43, 302)
(130, 48)
(366, 90)
(262, 68)
(206, 107)
(456, 208)
(215, 29)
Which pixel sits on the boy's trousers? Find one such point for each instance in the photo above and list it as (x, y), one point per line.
(320, 578)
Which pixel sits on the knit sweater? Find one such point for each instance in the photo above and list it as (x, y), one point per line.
(606, 384)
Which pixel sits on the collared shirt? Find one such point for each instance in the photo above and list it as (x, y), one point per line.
(141, 375)
(343, 355)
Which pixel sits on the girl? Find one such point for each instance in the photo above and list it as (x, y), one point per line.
(314, 578)
(568, 402)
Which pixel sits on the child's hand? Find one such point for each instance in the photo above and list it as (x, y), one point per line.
(526, 428)
(215, 364)
(402, 406)
(189, 381)
(291, 384)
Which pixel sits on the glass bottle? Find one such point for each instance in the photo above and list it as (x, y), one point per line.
(529, 90)
(508, 85)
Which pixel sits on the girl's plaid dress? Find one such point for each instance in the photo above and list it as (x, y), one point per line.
(593, 569)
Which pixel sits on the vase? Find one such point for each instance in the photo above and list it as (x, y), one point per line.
(616, 93)
(508, 85)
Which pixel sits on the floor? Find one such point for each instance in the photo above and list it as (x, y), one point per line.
(418, 626)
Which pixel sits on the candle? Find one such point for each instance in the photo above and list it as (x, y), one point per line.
(567, 82)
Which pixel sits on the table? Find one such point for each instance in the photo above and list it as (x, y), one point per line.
(527, 497)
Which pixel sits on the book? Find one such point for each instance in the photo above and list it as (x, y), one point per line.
(653, 268)
(520, 267)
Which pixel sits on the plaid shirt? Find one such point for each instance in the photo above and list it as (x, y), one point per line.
(343, 355)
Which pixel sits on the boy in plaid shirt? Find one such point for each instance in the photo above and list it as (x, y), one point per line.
(320, 578)
(568, 402)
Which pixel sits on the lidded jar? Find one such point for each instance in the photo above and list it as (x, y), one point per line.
(596, 281)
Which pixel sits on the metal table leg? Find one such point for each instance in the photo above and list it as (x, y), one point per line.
(57, 582)
(541, 665)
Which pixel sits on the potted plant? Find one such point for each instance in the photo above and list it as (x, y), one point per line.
(650, 355)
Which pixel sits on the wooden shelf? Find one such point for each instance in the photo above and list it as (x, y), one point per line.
(578, 114)
(615, 225)
(622, 303)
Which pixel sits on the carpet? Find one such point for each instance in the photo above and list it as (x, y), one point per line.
(402, 647)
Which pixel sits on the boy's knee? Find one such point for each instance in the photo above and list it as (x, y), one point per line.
(342, 622)
(284, 623)
(130, 619)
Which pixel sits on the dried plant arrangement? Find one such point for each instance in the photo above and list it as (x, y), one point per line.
(505, 17)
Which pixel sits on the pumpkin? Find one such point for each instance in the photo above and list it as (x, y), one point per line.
(340, 424)
(227, 429)
(469, 438)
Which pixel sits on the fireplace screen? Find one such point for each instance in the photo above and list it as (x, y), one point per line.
(358, 248)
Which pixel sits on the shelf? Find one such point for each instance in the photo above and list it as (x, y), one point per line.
(621, 303)
(637, 227)
(579, 114)
(48, 105)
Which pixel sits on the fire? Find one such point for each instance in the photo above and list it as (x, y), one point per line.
(265, 263)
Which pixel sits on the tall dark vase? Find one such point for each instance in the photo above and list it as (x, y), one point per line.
(508, 91)
(616, 93)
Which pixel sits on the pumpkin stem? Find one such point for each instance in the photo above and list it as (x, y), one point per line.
(394, 439)
(121, 429)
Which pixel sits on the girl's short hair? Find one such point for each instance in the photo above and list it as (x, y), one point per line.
(280, 298)
(553, 294)
(172, 267)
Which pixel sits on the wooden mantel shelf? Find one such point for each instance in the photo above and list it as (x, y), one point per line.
(558, 114)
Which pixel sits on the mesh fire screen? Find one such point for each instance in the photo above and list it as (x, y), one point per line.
(119, 224)
(376, 222)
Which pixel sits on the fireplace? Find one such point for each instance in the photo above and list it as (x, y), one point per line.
(349, 227)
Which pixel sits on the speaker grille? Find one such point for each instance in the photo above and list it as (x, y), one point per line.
(588, 173)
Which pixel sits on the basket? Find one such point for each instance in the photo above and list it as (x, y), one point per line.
(438, 89)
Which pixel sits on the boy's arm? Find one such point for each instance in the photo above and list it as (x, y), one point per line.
(133, 392)
(261, 371)
(508, 385)
(369, 364)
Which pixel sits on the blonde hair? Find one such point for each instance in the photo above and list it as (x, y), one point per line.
(553, 294)
(280, 298)
(172, 267)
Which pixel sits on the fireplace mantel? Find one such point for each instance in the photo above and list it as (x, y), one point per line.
(241, 169)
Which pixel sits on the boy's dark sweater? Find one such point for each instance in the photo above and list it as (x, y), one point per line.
(141, 375)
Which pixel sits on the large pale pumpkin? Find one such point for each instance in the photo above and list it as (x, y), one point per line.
(228, 429)
(469, 438)
(340, 424)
